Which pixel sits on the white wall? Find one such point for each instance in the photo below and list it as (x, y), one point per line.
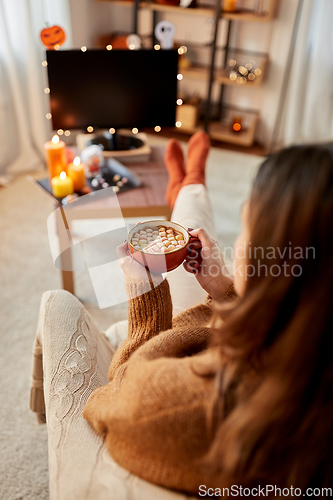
(92, 17)
(89, 19)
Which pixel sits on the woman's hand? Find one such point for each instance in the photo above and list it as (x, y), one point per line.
(133, 271)
(205, 260)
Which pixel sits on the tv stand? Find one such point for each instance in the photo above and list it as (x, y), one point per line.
(123, 145)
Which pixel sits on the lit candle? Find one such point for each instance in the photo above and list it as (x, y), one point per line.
(230, 5)
(76, 171)
(62, 185)
(55, 156)
(237, 124)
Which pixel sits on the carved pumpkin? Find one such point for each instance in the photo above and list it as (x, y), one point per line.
(52, 36)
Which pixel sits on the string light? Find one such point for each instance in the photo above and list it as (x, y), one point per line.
(135, 130)
(112, 130)
(109, 47)
(55, 139)
(180, 76)
(44, 63)
(47, 90)
(90, 129)
(48, 116)
(179, 102)
(84, 48)
(157, 128)
(60, 131)
(67, 133)
(178, 124)
(56, 47)
(131, 46)
(157, 47)
(182, 50)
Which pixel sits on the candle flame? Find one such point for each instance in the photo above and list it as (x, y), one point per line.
(77, 161)
(63, 175)
(55, 139)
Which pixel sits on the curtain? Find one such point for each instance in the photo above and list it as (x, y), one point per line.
(308, 115)
(23, 104)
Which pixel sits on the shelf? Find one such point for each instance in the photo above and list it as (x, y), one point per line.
(123, 3)
(199, 72)
(195, 72)
(220, 132)
(199, 11)
(248, 17)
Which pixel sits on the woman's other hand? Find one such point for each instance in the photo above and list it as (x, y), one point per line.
(205, 260)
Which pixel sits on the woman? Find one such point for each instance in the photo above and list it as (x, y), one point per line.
(243, 396)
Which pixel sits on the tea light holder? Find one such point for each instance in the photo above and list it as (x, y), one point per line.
(230, 5)
(76, 170)
(55, 156)
(237, 124)
(62, 185)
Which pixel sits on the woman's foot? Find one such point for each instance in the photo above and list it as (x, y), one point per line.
(174, 161)
(197, 153)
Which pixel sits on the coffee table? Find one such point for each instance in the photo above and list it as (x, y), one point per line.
(145, 201)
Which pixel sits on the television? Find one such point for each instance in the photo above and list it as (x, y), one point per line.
(112, 88)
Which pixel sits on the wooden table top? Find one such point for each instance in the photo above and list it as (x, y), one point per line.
(154, 177)
(149, 199)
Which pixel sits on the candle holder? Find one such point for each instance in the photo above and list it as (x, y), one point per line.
(230, 5)
(56, 160)
(62, 185)
(76, 170)
(237, 124)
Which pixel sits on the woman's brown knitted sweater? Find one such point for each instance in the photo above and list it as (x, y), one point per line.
(154, 409)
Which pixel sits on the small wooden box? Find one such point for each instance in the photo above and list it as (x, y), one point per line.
(187, 114)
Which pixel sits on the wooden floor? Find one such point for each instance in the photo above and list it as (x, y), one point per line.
(256, 149)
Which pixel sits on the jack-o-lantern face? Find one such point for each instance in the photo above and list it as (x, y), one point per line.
(52, 36)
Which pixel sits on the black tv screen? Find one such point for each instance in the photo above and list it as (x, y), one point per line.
(112, 88)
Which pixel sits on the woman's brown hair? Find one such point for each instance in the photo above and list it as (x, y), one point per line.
(275, 345)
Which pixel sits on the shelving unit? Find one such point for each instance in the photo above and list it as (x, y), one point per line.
(213, 75)
(201, 11)
(201, 72)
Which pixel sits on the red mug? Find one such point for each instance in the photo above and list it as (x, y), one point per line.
(162, 262)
